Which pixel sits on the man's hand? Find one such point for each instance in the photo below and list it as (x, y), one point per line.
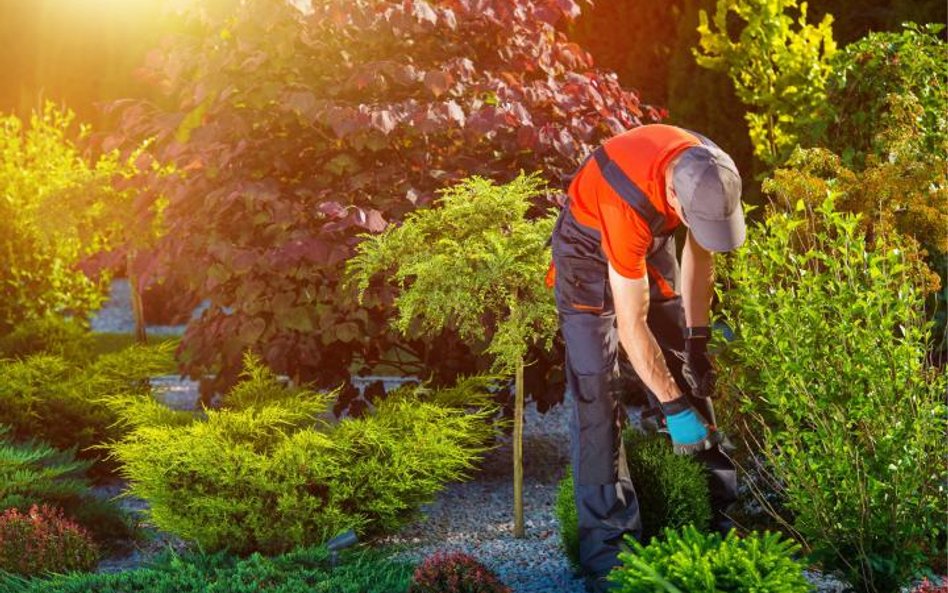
(689, 432)
(698, 370)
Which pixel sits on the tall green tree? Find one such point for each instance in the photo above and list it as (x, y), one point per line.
(475, 264)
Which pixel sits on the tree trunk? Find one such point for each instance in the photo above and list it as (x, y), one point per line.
(518, 454)
(138, 307)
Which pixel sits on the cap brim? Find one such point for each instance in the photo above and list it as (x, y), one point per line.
(719, 235)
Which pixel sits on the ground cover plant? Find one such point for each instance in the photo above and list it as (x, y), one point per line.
(672, 490)
(829, 373)
(688, 560)
(43, 540)
(308, 570)
(455, 573)
(49, 335)
(270, 471)
(360, 111)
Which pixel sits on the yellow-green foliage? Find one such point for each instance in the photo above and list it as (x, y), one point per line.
(56, 207)
(779, 68)
(47, 397)
(271, 471)
(905, 190)
(473, 263)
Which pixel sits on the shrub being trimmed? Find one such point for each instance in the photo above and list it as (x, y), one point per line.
(33, 473)
(567, 519)
(268, 474)
(302, 571)
(455, 573)
(43, 540)
(672, 491)
(691, 561)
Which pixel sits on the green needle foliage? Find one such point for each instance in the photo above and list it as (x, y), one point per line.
(307, 570)
(778, 66)
(473, 263)
(829, 372)
(688, 561)
(271, 472)
(70, 405)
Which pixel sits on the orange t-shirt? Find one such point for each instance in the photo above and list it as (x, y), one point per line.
(642, 153)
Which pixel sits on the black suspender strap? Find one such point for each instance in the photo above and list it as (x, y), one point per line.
(629, 192)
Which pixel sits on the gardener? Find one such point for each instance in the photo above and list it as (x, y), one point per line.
(617, 282)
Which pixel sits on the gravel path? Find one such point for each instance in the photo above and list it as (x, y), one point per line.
(477, 516)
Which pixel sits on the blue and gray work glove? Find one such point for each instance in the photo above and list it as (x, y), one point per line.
(688, 430)
(698, 370)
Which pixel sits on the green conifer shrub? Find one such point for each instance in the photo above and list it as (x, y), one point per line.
(33, 473)
(672, 491)
(308, 570)
(66, 404)
(687, 560)
(48, 335)
(567, 519)
(272, 471)
(832, 391)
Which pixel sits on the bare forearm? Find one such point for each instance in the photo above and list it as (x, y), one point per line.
(649, 362)
(697, 288)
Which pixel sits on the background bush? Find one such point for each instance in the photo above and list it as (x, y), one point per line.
(455, 573)
(41, 541)
(672, 491)
(302, 571)
(688, 560)
(909, 64)
(49, 398)
(48, 335)
(829, 373)
(42, 170)
(33, 473)
(270, 472)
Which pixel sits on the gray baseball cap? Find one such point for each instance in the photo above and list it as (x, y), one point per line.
(709, 188)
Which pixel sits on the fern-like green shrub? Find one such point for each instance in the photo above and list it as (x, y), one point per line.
(48, 335)
(271, 471)
(307, 570)
(689, 561)
(33, 473)
(567, 519)
(672, 491)
(829, 375)
(66, 404)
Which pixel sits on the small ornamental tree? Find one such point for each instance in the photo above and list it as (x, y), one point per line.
(779, 70)
(295, 129)
(476, 265)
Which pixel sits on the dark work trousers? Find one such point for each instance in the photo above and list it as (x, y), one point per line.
(605, 497)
